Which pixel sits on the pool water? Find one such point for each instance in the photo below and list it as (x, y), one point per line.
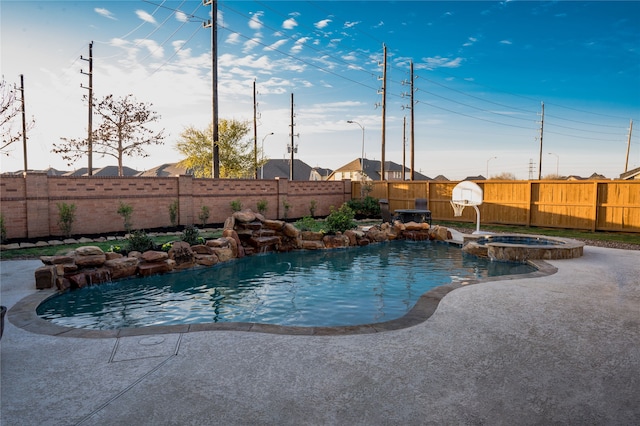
(371, 284)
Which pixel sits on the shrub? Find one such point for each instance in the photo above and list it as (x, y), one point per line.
(367, 207)
(236, 205)
(340, 220)
(204, 215)
(126, 210)
(286, 206)
(312, 207)
(66, 217)
(173, 213)
(308, 223)
(3, 230)
(139, 241)
(261, 205)
(191, 235)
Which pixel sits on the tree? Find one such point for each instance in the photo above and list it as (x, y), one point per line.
(122, 132)
(10, 109)
(236, 155)
(504, 176)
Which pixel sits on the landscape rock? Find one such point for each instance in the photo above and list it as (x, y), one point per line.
(224, 254)
(46, 277)
(244, 216)
(122, 267)
(153, 256)
(147, 269)
(206, 259)
(86, 261)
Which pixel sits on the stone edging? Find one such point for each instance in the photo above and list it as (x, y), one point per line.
(23, 315)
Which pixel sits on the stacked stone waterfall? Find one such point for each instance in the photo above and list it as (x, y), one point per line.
(245, 233)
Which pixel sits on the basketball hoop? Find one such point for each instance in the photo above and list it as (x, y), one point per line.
(457, 208)
(467, 193)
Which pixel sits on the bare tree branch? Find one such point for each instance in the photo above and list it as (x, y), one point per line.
(122, 132)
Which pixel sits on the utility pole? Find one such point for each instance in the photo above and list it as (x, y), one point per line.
(213, 23)
(292, 147)
(90, 121)
(384, 108)
(531, 168)
(412, 129)
(404, 144)
(24, 124)
(626, 162)
(541, 134)
(255, 131)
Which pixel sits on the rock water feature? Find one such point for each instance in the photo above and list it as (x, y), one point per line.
(245, 233)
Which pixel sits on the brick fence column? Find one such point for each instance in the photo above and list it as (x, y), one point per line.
(185, 199)
(282, 193)
(37, 201)
(347, 190)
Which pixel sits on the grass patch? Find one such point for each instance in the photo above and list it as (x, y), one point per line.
(36, 252)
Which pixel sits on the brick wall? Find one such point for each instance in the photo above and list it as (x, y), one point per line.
(29, 204)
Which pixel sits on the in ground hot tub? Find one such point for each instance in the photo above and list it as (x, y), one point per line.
(521, 247)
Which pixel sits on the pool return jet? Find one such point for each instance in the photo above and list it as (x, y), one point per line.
(467, 194)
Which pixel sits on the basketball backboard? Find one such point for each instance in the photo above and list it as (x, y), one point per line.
(467, 193)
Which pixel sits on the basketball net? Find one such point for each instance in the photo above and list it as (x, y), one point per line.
(457, 208)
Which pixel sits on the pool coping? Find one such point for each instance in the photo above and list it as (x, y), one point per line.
(23, 315)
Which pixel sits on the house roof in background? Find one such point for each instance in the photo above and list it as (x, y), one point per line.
(166, 170)
(276, 168)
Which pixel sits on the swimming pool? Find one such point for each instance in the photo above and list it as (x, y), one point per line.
(341, 287)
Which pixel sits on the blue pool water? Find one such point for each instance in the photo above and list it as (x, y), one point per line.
(376, 283)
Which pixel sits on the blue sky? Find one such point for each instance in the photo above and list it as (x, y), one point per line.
(482, 70)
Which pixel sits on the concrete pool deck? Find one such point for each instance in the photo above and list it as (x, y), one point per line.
(562, 348)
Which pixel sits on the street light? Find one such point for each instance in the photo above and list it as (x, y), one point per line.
(361, 158)
(492, 158)
(262, 156)
(557, 164)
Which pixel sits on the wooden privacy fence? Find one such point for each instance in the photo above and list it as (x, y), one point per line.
(590, 205)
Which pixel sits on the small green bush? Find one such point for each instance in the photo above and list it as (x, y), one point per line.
(125, 210)
(340, 220)
(261, 205)
(3, 230)
(367, 207)
(236, 205)
(173, 213)
(286, 206)
(308, 223)
(139, 241)
(66, 217)
(191, 235)
(204, 215)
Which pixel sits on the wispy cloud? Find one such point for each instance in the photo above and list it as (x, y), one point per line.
(181, 17)
(439, 62)
(348, 25)
(470, 42)
(322, 24)
(299, 44)
(255, 23)
(146, 17)
(506, 42)
(104, 12)
(276, 45)
(289, 24)
(155, 50)
(250, 44)
(233, 38)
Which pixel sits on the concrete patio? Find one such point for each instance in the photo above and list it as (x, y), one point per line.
(558, 349)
